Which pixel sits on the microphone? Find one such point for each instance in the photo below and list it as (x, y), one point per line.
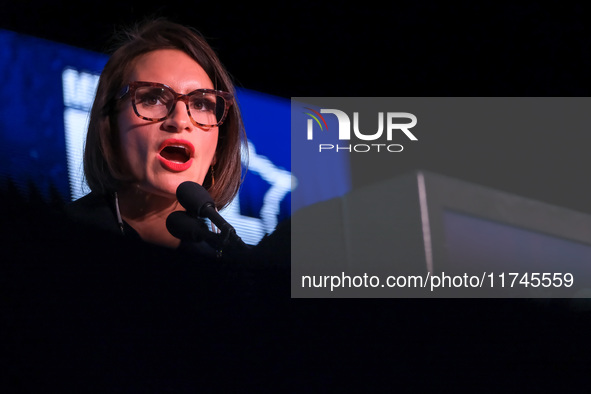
(197, 201)
(183, 226)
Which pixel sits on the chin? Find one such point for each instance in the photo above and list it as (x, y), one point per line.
(169, 187)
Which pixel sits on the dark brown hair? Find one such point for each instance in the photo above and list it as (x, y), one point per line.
(103, 165)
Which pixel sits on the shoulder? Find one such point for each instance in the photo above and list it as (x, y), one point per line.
(88, 204)
(94, 209)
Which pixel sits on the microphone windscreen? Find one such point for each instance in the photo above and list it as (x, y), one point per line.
(192, 196)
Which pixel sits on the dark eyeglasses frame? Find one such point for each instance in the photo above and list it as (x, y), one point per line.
(130, 89)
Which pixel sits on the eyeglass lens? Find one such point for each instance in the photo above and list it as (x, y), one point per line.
(157, 102)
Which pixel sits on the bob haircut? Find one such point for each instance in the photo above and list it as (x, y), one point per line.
(104, 167)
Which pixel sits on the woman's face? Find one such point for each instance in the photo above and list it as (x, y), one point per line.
(152, 149)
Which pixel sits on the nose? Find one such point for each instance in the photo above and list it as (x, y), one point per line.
(178, 120)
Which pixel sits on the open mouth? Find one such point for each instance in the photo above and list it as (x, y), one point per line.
(176, 155)
(180, 154)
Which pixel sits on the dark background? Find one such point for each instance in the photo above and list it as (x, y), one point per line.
(155, 332)
(370, 49)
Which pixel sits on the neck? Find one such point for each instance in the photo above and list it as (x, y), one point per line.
(147, 213)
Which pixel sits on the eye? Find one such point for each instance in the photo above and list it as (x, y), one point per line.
(203, 103)
(151, 97)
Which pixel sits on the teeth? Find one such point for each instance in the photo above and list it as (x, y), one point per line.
(184, 148)
(179, 147)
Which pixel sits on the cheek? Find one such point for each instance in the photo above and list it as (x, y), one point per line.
(205, 154)
(210, 146)
(134, 144)
(213, 143)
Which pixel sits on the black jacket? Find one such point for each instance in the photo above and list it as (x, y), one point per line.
(98, 211)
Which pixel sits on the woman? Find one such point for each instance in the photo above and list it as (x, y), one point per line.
(164, 113)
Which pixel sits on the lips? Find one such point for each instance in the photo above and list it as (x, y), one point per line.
(176, 155)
